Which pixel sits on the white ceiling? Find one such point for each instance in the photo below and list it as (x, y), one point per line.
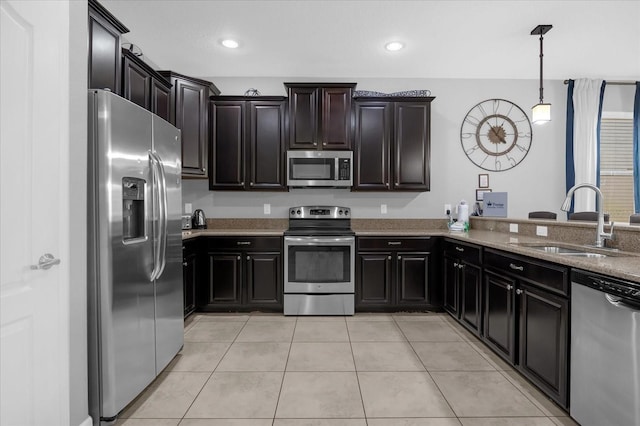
(333, 38)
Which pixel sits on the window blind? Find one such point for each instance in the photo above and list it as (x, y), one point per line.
(616, 167)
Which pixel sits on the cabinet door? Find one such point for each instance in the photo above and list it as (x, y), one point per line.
(160, 100)
(227, 146)
(264, 279)
(372, 146)
(303, 118)
(373, 279)
(136, 84)
(189, 272)
(191, 118)
(470, 297)
(544, 340)
(225, 279)
(336, 118)
(412, 146)
(451, 285)
(412, 278)
(104, 50)
(499, 320)
(266, 145)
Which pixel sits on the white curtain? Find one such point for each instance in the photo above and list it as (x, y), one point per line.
(586, 104)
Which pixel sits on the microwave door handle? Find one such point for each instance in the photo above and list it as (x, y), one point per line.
(336, 170)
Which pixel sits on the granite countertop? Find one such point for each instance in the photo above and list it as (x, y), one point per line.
(623, 265)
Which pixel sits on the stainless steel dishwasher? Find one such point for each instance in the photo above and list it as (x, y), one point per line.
(605, 350)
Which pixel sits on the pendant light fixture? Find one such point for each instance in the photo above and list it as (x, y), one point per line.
(541, 112)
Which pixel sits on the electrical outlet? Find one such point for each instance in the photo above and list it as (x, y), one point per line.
(513, 227)
(188, 208)
(267, 208)
(383, 208)
(541, 231)
(447, 208)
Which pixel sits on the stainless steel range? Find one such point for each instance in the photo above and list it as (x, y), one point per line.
(319, 261)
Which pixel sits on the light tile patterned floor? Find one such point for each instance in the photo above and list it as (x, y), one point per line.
(366, 370)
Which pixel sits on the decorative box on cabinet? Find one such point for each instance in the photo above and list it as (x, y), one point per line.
(248, 143)
(392, 144)
(394, 273)
(526, 315)
(320, 115)
(462, 283)
(242, 274)
(104, 48)
(189, 113)
(144, 86)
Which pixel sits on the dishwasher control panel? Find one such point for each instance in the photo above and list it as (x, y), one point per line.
(613, 286)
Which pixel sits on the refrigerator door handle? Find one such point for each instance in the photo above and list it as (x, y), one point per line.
(160, 185)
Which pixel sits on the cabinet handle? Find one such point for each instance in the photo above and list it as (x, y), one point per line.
(394, 243)
(184, 263)
(386, 184)
(248, 257)
(203, 169)
(238, 257)
(455, 264)
(250, 183)
(399, 257)
(315, 144)
(461, 266)
(460, 249)
(244, 243)
(516, 267)
(388, 257)
(324, 143)
(242, 183)
(519, 292)
(509, 287)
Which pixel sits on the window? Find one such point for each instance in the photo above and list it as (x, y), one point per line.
(616, 164)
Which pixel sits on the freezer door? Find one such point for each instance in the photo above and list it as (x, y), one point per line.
(169, 297)
(121, 294)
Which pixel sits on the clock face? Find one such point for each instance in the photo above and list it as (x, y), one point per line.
(496, 135)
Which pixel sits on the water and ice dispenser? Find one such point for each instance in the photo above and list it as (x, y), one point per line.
(133, 213)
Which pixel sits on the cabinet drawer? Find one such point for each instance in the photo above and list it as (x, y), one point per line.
(248, 243)
(467, 252)
(542, 274)
(403, 243)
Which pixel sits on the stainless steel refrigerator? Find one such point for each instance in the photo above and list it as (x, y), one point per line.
(135, 301)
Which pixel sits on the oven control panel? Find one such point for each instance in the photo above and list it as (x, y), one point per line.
(319, 212)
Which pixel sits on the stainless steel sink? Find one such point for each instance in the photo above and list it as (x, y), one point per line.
(566, 250)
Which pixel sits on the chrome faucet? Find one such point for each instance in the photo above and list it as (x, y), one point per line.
(601, 236)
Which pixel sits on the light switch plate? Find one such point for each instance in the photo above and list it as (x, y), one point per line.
(267, 208)
(541, 231)
(513, 227)
(188, 208)
(383, 208)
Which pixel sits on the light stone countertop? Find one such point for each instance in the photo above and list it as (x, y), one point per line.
(622, 265)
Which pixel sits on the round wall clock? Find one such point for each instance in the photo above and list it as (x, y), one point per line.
(496, 135)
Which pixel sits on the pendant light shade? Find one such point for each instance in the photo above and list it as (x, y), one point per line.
(541, 112)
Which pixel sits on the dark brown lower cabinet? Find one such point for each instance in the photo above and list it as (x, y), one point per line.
(526, 315)
(393, 274)
(242, 274)
(462, 283)
(190, 274)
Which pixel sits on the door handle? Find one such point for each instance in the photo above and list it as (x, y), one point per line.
(46, 261)
(519, 292)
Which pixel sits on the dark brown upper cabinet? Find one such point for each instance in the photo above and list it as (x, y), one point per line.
(248, 143)
(320, 115)
(104, 49)
(392, 144)
(142, 85)
(190, 113)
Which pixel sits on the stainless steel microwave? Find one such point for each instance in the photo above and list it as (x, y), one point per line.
(320, 168)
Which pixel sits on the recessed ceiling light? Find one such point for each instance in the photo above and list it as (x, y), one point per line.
(394, 45)
(231, 44)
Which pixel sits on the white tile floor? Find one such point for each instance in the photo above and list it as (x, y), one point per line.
(370, 369)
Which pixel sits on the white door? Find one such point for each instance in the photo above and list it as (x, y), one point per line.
(34, 123)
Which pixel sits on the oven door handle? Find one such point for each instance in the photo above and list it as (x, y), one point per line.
(323, 241)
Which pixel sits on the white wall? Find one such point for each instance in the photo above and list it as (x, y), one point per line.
(537, 183)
